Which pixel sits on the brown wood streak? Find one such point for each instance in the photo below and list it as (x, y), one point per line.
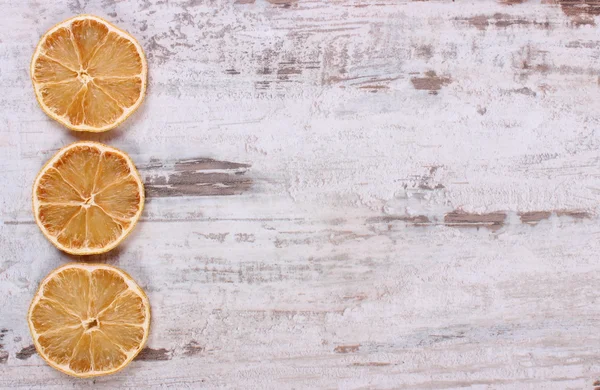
(283, 71)
(374, 88)
(283, 3)
(500, 20)
(26, 353)
(530, 60)
(533, 217)
(196, 177)
(149, 354)
(430, 82)
(459, 218)
(193, 348)
(493, 220)
(416, 220)
(3, 353)
(581, 12)
(577, 214)
(496, 220)
(346, 348)
(371, 364)
(574, 7)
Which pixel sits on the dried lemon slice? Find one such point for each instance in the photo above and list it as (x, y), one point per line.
(88, 198)
(89, 319)
(88, 74)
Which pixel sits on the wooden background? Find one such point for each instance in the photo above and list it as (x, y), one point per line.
(341, 194)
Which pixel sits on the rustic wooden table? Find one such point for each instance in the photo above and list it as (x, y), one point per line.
(346, 194)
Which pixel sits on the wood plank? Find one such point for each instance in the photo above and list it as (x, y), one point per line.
(349, 194)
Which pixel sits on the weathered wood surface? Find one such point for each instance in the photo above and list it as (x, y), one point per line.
(346, 194)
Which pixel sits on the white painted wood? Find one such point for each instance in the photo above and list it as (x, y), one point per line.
(417, 207)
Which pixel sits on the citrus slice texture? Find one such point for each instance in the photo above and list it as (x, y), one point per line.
(87, 198)
(89, 319)
(88, 74)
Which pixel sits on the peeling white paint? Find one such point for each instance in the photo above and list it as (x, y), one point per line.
(338, 267)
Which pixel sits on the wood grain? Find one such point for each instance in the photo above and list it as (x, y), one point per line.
(195, 177)
(348, 194)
